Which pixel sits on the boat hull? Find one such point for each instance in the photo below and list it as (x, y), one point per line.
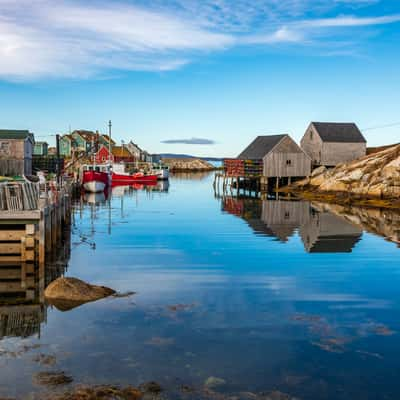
(132, 179)
(162, 174)
(95, 181)
(94, 186)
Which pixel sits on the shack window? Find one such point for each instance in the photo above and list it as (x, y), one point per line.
(311, 135)
(288, 162)
(4, 148)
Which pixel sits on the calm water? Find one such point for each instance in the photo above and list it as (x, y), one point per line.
(272, 295)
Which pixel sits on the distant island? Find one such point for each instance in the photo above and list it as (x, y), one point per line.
(177, 156)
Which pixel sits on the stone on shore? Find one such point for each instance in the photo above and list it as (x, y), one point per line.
(376, 176)
(68, 293)
(188, 164)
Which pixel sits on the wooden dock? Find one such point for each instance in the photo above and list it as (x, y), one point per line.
(31, 228)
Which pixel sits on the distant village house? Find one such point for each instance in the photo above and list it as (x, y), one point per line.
(330, 144)
(41, 149)
(16, 150)
(135, 150)
(103, 155)
(66, 145)
(122, 154)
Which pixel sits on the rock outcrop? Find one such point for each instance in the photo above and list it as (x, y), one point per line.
(68, 293)
(376, 176)
(188, 164)
(382, 222)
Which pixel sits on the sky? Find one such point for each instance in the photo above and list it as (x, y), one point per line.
(199, 77)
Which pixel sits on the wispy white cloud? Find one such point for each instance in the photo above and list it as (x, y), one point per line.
(349, 21)
(72, 38)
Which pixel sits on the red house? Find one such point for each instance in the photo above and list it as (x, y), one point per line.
(103, 155)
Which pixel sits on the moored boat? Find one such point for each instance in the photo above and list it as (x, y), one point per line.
(162, 172)
(119, 176)
(95, 178)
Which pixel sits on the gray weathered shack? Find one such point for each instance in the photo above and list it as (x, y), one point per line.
(329, 143)
(325, 232)
(281, 156)
(283, 217)
(16, 149)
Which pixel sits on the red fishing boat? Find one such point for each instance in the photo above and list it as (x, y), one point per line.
(95, 178)
(120, 177)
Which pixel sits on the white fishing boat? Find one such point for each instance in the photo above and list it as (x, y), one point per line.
(162, 172)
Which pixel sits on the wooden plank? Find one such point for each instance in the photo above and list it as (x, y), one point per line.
(30, 229)
(5, 310)
(30, 255)
(30, 242)
(11, 235)
(9, 287)
(30, 268)
(20, 215)
(9, 259)
(41, 239)
(10, 273)
(10, 248)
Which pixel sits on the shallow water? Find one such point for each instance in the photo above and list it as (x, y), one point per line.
(274, 295)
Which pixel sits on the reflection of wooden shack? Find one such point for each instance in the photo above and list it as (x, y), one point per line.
(22, 321)
(283, 218)
(22, 284)
(327, 233)
(276, 218)
(21, 300)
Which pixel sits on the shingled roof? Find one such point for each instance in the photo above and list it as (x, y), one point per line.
(339, 132)
(15, 134)
(121, 151)
(260, 147)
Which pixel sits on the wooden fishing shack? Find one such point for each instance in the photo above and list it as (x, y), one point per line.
(269, 161)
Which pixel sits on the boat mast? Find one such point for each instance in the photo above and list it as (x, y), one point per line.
(109, 141)
(93, 154)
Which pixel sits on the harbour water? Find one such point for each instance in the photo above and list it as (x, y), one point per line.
(240, 295)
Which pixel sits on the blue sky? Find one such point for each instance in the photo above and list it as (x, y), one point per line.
(216, 71)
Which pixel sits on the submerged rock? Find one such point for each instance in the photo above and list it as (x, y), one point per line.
(150, 387)
(52, 378)
(68, 293)
(213, 382)
(103, 392)
(45, 359)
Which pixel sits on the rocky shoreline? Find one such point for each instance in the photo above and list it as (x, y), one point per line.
(372, 181)
(188, 165)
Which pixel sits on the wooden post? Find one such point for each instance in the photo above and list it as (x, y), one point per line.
(42, 239)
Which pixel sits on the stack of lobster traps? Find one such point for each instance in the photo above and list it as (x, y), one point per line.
(234, 167)
(253, 168)
(19, 196)
(243, 168)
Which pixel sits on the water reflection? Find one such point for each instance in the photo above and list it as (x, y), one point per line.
(325, 232)
(22, 304)
(215, 298)
(323, 228)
